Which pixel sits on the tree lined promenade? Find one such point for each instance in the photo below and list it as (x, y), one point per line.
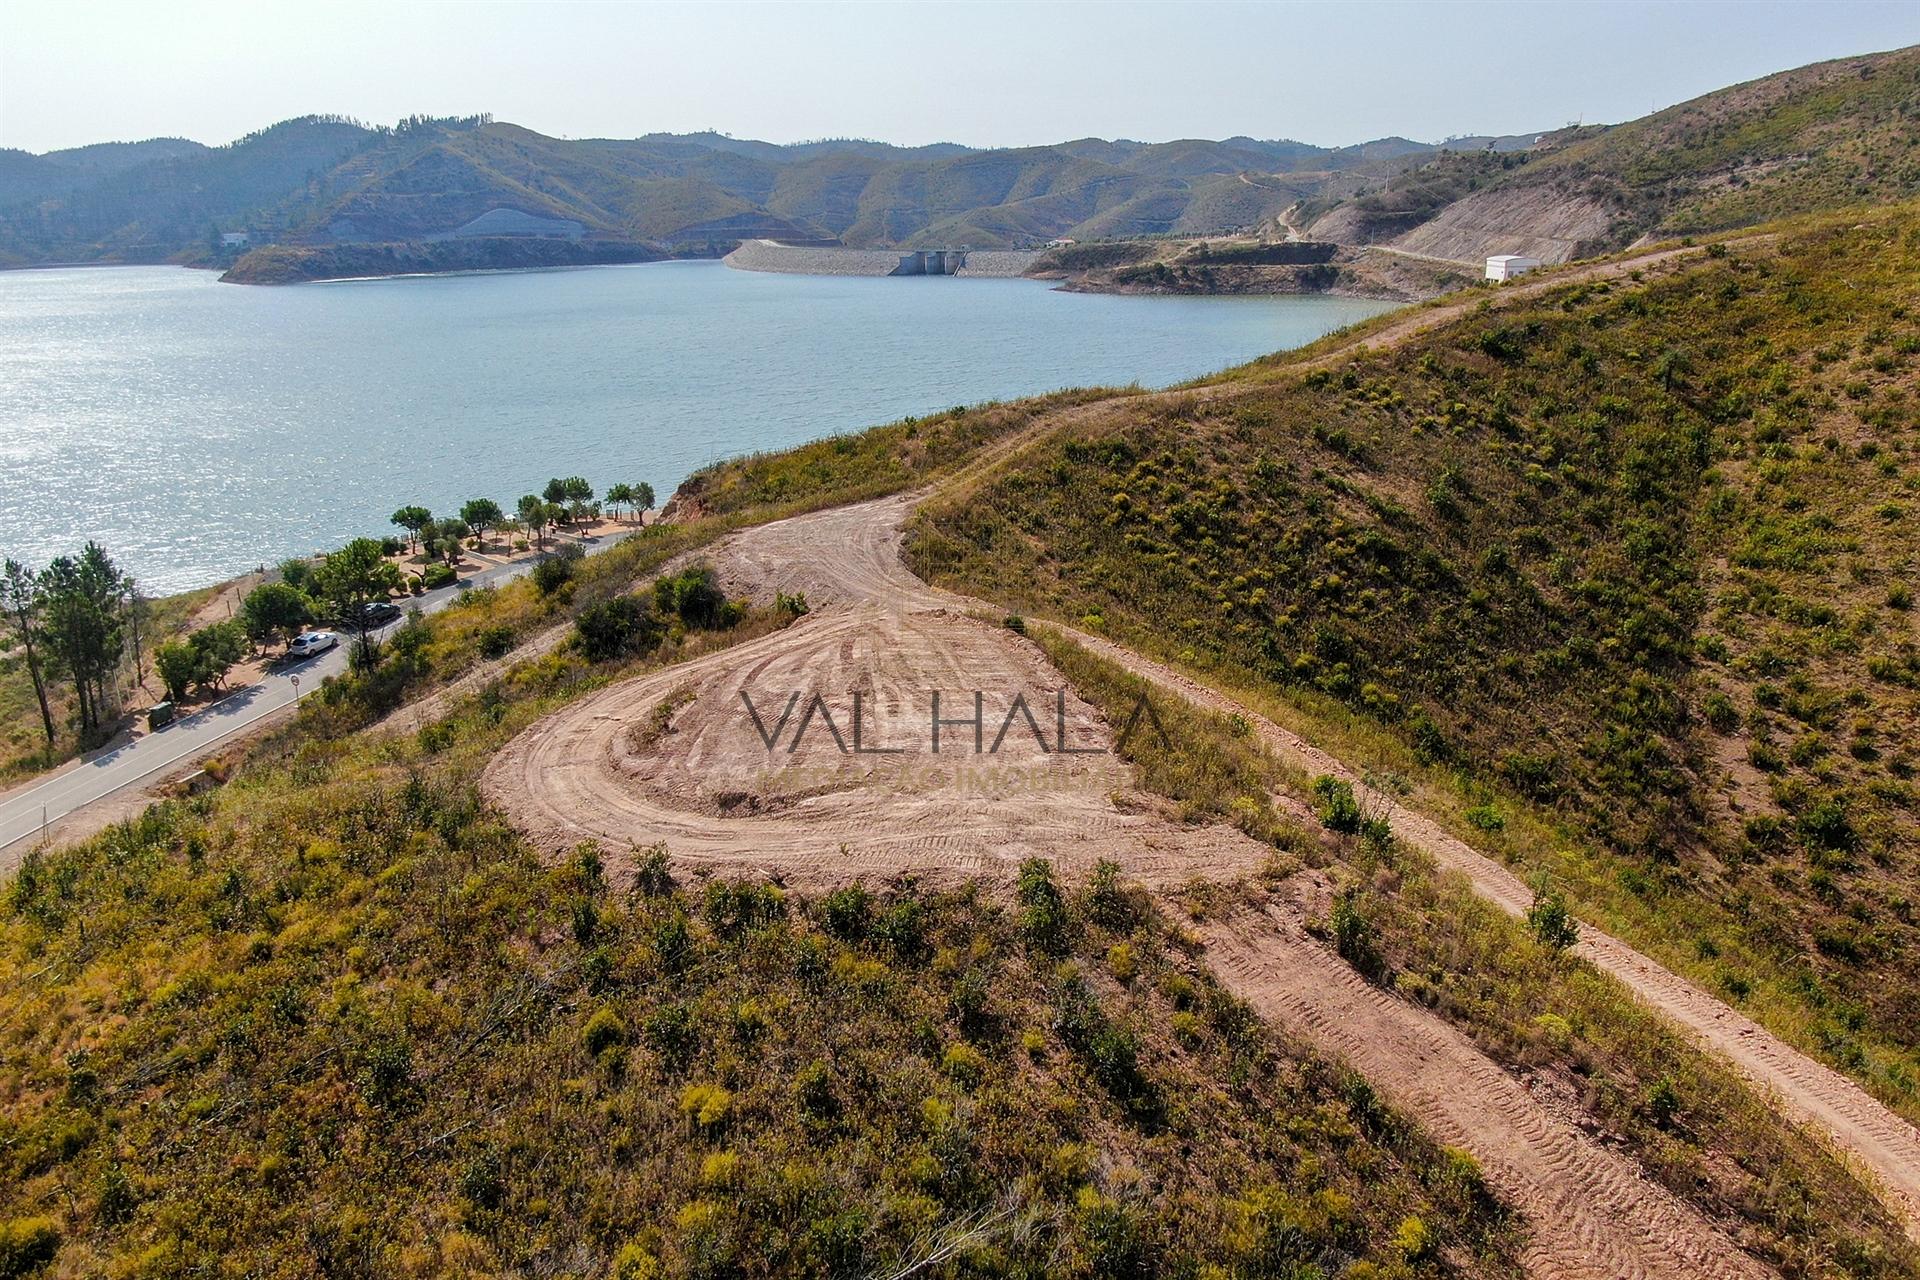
(78, 640)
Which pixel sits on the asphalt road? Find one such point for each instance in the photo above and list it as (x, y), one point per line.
(31, 810)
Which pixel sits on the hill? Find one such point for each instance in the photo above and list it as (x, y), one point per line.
(476, 1042)
(325, 181)
(1622, 565)
(1819, 137)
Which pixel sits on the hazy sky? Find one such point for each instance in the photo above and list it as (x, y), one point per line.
(989, 74)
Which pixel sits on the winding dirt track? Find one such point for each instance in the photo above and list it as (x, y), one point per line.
(708, 786)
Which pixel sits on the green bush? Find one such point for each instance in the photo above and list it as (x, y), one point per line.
(1043, 913)
(553, 573)
(435, 576)
(616, 628)
(1551, 921)
(1339, 811)
(26, 1245)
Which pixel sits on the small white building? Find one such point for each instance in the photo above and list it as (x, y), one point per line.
(233, 239)
(1509, 266)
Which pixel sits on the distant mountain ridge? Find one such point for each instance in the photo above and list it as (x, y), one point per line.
(1822, 136)
(326, 180)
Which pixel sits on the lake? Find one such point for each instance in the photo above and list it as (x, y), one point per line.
(198, 429)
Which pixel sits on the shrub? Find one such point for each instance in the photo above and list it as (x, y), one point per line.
(1043, 913)
(1107, 903)
(26, 1245)
(652, 877)
(1413, 1239)
(965, 1064)
(1663, 1102)
(1339, 811)
(694, 597)
(670, 1033)
(1720, 713)
(707, 1105)
(616, 627)
(494, 642)
(900, 928)
(604, 1030)
(1120, 962)
(813, 1092)
(634, 1262)
(436, 576)
(1485, 817)
(1552, 923)
(556, 571)
(846, 912)
(969, 1000)
(1353, 934)
(1826, 826)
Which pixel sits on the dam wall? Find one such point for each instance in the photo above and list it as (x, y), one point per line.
(769, 255)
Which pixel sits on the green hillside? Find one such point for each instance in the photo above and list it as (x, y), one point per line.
(1622, 574)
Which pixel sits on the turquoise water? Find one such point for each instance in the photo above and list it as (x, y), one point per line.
(199, 429)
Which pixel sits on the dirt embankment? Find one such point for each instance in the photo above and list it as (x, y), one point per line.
(1238, 266)
(1541, 222)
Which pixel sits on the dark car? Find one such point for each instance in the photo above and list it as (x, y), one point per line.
(378, 613)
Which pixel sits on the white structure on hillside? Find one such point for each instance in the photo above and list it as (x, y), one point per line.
(1509, 266)
(233, 239)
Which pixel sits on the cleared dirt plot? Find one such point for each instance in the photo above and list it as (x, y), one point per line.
(752, 758)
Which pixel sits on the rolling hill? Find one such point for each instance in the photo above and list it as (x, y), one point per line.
(323, 181)
(1651, 643)
(1818, 137)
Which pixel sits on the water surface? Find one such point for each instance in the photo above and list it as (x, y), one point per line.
(199, 429)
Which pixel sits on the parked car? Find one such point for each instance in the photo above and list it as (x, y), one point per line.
(378, 613)
(308, 643)
(159, 715)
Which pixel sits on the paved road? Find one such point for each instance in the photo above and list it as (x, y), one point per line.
(24, 814)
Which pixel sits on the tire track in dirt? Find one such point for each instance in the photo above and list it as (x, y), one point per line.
(1594, 1213)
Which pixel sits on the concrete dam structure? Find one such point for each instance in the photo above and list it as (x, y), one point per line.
(770, 255)
(930, 262)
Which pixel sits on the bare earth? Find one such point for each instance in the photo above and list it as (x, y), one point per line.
(813, 809)
(709, 787)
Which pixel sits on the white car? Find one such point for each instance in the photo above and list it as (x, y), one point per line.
(308, 643)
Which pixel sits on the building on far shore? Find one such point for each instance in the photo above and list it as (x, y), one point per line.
(1509, 266)
(233, 239)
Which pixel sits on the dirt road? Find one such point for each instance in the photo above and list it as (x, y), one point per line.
(1594, 1213)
